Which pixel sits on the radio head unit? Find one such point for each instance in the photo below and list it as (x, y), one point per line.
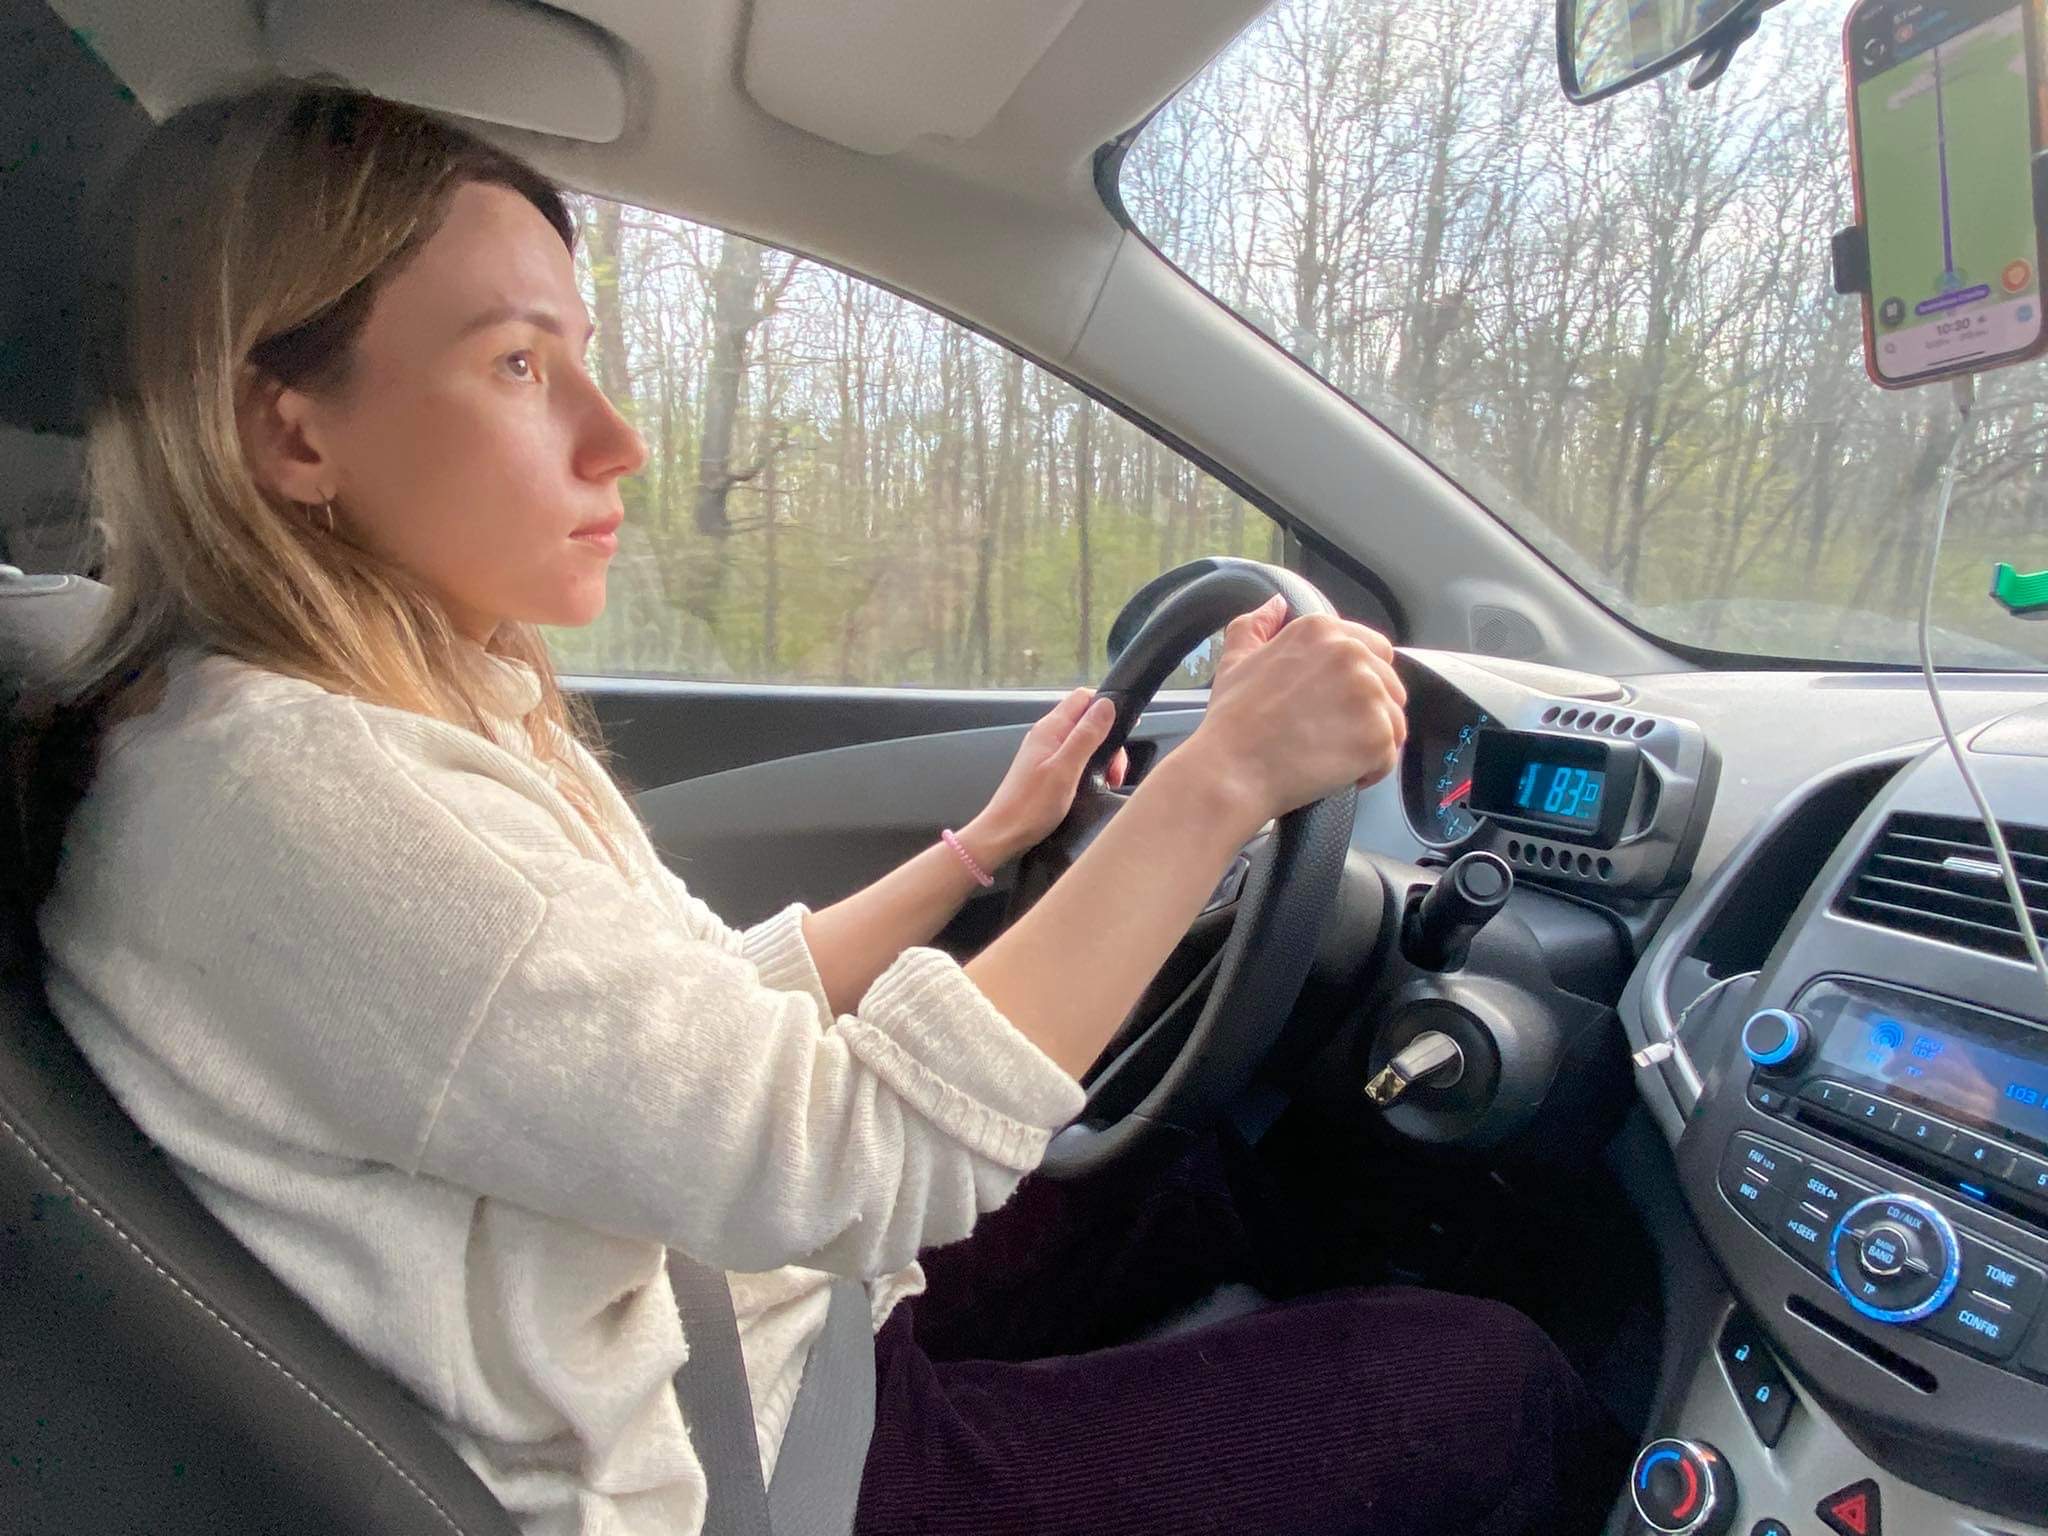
(1959, 1091)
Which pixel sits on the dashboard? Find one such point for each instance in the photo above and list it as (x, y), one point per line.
(1831, 1019)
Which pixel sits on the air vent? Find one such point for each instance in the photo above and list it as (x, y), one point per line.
(1937, 876)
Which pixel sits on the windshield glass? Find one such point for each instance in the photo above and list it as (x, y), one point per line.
(1613, 325)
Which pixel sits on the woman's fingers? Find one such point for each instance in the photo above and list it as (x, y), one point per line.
(1088, 733)
(1059, 720)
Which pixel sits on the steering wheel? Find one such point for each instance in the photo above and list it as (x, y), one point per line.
(1154, 1083)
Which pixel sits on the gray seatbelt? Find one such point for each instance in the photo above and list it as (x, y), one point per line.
(824, 1447)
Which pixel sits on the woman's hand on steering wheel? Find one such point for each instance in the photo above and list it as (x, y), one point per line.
(1039, 788)
(1299, 709)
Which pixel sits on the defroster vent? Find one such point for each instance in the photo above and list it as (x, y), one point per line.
(1937, 876)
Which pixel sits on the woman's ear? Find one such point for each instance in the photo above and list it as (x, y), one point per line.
(281, 439)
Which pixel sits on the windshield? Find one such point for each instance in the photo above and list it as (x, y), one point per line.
(1612, 325)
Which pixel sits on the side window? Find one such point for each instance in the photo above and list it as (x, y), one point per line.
(844, 488)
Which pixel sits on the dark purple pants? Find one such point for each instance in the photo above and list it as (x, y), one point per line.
(1005, 1406)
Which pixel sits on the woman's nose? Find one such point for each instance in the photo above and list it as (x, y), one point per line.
(611, 448)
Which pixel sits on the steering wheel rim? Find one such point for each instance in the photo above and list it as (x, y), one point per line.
(1286, 896)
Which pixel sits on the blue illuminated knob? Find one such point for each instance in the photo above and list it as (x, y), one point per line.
(1895, 1258)
(1776, 1038)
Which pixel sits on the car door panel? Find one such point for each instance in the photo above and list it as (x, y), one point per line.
(816, 825)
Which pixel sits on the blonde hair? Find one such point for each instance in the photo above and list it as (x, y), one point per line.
(245, 242)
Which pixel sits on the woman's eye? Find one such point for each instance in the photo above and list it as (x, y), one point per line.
(520, 358)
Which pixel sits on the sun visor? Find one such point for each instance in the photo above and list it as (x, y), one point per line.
(874, 75)
(513, 62)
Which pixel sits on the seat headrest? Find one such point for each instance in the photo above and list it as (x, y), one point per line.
(43, 622)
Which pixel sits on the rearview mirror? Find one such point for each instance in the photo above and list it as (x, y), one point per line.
(1604, 46)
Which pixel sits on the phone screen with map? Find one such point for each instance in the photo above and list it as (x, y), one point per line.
(1942, 122)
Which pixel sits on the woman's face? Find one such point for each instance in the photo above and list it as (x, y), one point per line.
(470, 445)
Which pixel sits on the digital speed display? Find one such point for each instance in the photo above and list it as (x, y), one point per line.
(1547, 781)
(1570, 794)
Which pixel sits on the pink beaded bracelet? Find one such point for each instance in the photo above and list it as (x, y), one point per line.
(980, 875)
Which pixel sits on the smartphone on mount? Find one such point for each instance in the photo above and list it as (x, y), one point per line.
(1942, 136)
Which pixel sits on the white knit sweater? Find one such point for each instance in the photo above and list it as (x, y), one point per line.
(371, 983)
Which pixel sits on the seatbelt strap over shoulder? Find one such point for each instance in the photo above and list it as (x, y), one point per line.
(824, 1447)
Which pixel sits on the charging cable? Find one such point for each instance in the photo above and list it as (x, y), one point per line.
(1966, 398)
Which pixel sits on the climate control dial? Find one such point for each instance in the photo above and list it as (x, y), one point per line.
(1683, 1488)
(1895, 1258)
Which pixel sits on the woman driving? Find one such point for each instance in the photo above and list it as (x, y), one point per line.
(356, 925)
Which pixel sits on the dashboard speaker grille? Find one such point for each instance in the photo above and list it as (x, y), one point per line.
(1938, 877)
(1500, 631)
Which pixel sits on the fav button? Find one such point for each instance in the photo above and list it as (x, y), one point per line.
(1764, 1160)
(1769, 1527)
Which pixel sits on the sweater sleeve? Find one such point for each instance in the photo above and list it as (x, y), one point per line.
(776, 945)
(687, 1081)
(640, 1080)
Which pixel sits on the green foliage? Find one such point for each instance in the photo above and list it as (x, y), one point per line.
(1611, 325)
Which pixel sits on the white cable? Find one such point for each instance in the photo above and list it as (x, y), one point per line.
(1672, 1046)
(1965, 395)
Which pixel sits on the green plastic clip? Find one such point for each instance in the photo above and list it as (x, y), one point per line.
(2022, 596)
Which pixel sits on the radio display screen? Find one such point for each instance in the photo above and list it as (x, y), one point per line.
(1977, 1068)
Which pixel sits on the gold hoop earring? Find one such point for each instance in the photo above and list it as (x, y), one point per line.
(327, 510)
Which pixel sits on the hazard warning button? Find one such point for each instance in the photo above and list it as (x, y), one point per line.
(1852, 1510)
